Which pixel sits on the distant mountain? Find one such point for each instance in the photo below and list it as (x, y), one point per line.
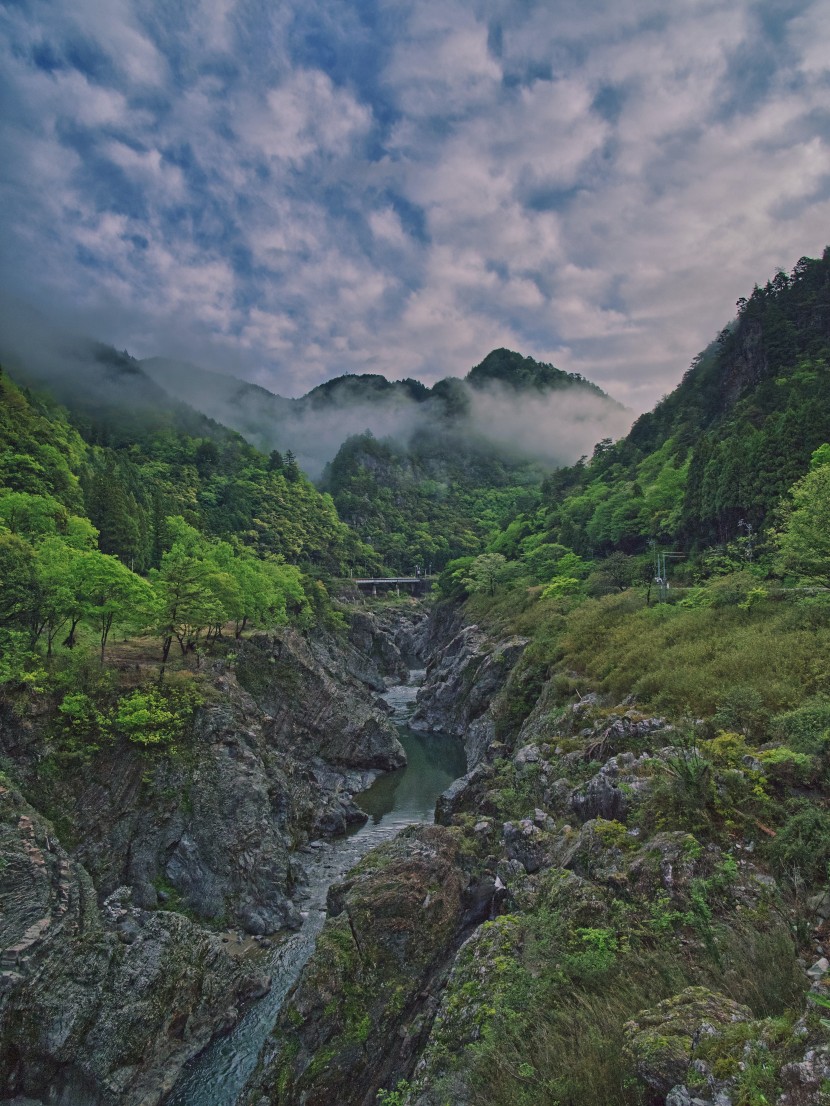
(316, 425)
(112, 399)
(252, 411)
(512, 370)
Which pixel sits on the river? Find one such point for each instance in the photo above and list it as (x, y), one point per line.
(217, 1076)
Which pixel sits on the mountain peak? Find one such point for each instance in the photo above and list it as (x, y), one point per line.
(513, 370)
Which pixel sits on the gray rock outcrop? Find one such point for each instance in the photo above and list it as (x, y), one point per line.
(98, 1007)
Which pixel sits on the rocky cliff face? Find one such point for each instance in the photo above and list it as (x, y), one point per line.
(371, 987)
(283, 740)
(100, 1004)
(109, 987)
(465, 675)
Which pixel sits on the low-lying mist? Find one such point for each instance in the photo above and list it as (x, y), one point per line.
(549, 427)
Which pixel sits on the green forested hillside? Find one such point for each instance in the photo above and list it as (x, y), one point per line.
(439, 494)
(428, 503)
(160, 532)
(709, 466)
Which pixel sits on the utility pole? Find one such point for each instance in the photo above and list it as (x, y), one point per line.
(749, 546)
(662, 557)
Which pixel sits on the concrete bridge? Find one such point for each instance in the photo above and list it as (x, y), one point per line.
(415, 585)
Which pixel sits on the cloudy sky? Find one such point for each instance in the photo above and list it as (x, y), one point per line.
(293, 190)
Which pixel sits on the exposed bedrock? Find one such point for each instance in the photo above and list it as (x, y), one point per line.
(368, 995)
(98, 1005)
(110, 982)
(464, 677)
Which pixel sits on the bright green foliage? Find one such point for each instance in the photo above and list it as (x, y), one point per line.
(84, 724)
(80, 523)
(786, 767)
(113, 594)
(484, 573)
(40, 453)
(806, 728)
(804, 539)
(562, 586)
(35, 517)
(149, 717)
(543, 560)
(17, 575)
(397, 1097)
(203, 584)
(145, 717)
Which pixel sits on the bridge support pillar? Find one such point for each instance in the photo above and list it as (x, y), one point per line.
(375, 590)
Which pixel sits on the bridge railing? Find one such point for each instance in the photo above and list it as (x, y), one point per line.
(376, 580)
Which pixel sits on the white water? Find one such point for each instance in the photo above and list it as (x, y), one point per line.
(217, 1076)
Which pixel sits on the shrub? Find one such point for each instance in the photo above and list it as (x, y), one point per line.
(145, 718)
(727, 750)
(150, 718)
(561, 586)
(801, 850)
(742, 709)
(82, 725)
(786, 767)
(805, 729)
(732, 590)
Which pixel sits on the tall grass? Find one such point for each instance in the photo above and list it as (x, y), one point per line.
(559, 1043)
(690, 660)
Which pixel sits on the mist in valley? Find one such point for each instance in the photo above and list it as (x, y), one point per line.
(549, 428)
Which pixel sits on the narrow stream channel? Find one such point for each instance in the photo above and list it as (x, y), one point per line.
(218, 1075)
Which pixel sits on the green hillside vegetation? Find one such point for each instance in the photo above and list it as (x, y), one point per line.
(443, 493)
(731, 665)
(428, 503)
(170, 538)
(717, 454)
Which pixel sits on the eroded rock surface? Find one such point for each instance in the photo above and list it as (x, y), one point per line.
(367, 996)
(462, 683)
(98, 1006)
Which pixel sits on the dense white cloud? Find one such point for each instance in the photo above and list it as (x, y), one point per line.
(300, 191)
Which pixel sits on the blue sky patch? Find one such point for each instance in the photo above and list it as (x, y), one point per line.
(297, 189)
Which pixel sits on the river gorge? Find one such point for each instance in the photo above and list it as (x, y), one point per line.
(406, 796)
(392, 863)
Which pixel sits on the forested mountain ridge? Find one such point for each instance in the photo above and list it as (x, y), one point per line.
(711, 462)
(427, 503)
(316, 424)
(504, 366)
